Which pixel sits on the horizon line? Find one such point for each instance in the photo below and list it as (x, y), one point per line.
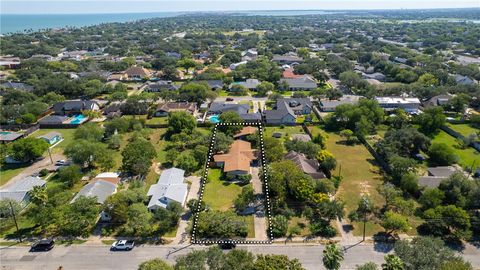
(240, 11)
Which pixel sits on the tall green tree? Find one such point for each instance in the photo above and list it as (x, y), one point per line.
(28, 149)
(137, 156)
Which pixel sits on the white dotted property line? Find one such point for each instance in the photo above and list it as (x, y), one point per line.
(203, 180)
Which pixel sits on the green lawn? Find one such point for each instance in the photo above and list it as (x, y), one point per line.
(467, 156)
(286, 131)
(464, 129)
(361, 176)
(219, 195)
(67, 135)
(251, 226)
(156, 138)
(157, 121)
(8, 171)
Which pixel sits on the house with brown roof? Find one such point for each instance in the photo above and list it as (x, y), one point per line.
(248, 130)
(166, 108)
(308, 166)
(137, 73)
(238, 159)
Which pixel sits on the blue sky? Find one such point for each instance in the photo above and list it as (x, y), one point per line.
(123, 6)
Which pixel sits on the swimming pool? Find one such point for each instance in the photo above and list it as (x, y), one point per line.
(78, 119)
(214, 118)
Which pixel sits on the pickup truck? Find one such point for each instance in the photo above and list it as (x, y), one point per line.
(123, 245)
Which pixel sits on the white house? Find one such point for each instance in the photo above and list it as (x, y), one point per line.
(169, 188)
(410, 105)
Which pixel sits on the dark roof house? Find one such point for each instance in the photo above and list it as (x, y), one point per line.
(168, 107)
(219, 107)
(161, 85)
(74, 107)
(287, 59)
(308, 166)
(282, 115)
(303, 83)
(19, 86)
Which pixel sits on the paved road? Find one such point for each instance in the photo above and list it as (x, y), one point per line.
(36, 167)
(99, 257)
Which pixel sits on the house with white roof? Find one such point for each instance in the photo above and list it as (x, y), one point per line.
(169, 188)
(410, 105)
(19, 190)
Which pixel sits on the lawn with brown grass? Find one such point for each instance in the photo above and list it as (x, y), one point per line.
(361, 175)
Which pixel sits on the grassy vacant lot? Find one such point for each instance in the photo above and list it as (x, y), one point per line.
(361, 176)
(219, 194)
(467, 156)
(286, 131)
(464, 129)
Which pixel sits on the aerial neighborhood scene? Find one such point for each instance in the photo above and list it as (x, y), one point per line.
(227, 137)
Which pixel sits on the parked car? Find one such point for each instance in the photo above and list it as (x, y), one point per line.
(61, 162)
(123, 245)
(229, 99)
(227, 245)
(43, 245)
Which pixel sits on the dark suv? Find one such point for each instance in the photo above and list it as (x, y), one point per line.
(227, 245)
(43, 245)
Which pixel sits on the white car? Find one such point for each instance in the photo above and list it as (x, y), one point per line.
(123, 245)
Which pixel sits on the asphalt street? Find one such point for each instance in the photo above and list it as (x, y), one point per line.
(100, 257)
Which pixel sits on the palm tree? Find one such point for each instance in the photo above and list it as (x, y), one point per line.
(38, 195)
(393, 262)
(332, 256)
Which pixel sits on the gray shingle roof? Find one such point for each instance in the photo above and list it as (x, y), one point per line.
(19, 190)
(19, 86)
(430, 181)
(50, 135)
(221, 107)
(100, 189)
(308, 166)
(53, 119)
(74, 105)
(304, 82)
(12, 136)
(441, 171)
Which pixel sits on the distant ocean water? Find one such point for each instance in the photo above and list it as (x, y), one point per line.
(11, 23)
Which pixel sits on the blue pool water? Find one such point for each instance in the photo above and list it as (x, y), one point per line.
(78, 119)
(214, 118)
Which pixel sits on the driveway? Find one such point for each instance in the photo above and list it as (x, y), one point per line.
(182, 234)
(45, 163)
(260, 223)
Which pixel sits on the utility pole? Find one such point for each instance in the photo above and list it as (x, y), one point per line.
(364, 224)
(365, 208)
(15, 220)
(50, 154)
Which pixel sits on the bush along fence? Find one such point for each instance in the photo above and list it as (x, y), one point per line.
(453, 133)
(374, 153)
